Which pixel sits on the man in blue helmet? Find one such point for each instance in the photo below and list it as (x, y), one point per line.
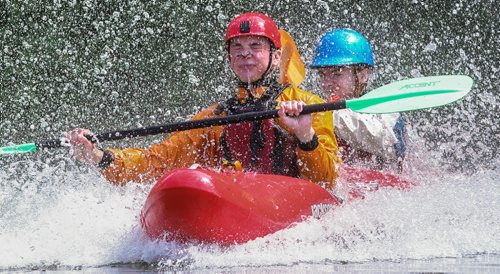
(344, 62)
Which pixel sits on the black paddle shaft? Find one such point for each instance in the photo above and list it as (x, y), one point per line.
(193, 124)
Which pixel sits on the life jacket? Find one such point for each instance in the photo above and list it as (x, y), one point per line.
(260, 146)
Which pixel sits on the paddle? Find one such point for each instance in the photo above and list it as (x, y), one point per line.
(400, 96)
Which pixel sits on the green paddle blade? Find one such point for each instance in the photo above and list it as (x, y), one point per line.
(18, 149)
(413, 94)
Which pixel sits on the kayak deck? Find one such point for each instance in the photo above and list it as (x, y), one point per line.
(235, 207)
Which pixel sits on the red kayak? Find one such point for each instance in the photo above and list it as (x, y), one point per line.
(235, 207)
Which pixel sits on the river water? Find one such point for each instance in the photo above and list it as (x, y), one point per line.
(68, 217)
(112, 65)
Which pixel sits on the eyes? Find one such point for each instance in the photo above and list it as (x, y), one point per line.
(254, 46)
(332, 71)
(328, 73)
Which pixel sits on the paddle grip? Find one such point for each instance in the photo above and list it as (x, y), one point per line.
(52, 143)
(56, 143)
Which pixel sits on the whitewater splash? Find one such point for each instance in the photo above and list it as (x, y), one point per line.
(73, 64)
(68, 216)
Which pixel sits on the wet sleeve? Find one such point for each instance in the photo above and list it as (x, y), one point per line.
(378, 134)
(181, 149)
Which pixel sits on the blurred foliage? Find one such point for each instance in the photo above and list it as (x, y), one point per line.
(106, 65)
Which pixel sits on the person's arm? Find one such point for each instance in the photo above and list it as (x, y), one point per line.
(317, 156)
(379, 134)
(181, 149)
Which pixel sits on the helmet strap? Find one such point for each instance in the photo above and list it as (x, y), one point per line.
(268, 69)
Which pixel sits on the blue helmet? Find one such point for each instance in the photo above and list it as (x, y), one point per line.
(341, 47)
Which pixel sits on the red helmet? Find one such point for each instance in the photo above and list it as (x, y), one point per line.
(253, 23)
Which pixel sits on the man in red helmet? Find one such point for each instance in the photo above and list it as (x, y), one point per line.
(294, 145)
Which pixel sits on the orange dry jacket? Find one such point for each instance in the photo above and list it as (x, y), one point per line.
(201, 146)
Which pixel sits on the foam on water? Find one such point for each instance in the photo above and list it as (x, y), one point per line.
(74, 218)
(109, 65)
(451, 219)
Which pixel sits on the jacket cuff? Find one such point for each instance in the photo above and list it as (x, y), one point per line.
(311, 145)
(107, 159)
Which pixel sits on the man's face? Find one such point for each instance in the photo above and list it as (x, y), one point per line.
(338, 81)
(249, 57)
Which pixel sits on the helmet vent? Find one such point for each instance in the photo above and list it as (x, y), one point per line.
(245, 27)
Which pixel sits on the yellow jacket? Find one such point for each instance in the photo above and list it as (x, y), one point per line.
(201, 146)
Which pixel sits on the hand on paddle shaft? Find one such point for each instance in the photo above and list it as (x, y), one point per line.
(300, 125)
(83, 149)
